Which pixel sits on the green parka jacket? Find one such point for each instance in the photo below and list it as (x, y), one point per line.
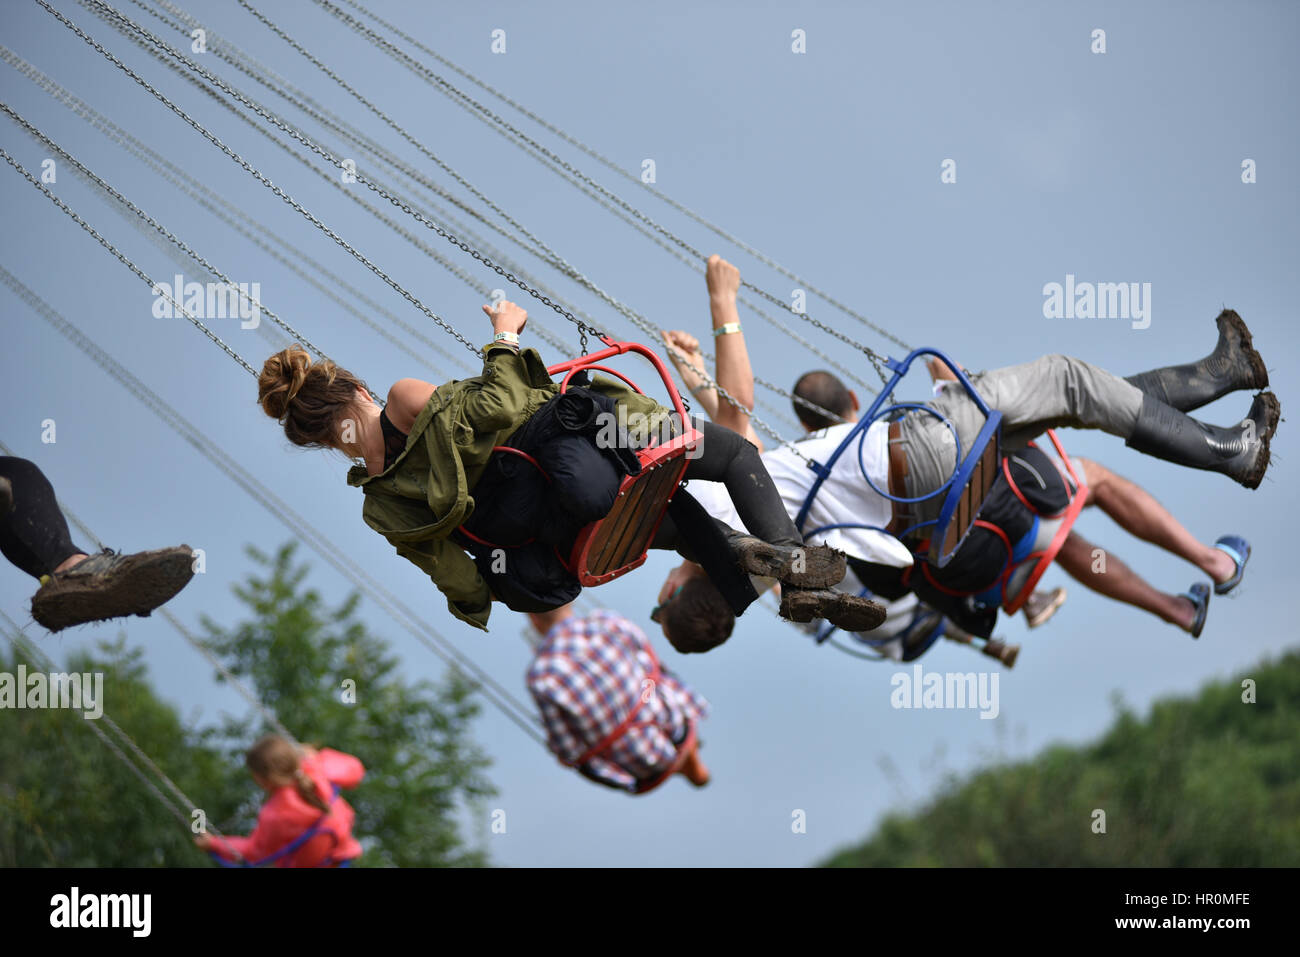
(418, 501)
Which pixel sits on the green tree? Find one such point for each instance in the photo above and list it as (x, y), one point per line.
(307, 661)
(66, 800)
(1205, 781)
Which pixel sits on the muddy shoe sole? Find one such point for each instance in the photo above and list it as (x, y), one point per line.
(804, 566)
(845, 611)
(1266, 412)
(1233, 331)
(136, 586)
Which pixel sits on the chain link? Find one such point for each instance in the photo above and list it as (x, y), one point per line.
(610, 164)
(875, 358)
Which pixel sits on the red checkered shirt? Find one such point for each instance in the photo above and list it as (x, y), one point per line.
(587, 673)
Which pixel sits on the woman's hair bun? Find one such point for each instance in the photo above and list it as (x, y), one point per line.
(283, 374)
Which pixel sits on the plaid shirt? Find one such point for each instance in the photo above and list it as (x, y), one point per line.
(586, 675)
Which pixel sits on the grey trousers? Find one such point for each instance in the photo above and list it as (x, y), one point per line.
(1054, 391)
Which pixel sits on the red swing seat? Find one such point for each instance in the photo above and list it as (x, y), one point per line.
(616, 544)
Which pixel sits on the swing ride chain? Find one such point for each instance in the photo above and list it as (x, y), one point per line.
(157, 226)
(358, 27)
(400, 204)
(233, 59)
(610, 164)
(248, 167)
(405, 207)
(4, 154)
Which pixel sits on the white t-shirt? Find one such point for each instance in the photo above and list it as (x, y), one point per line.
(845, 497)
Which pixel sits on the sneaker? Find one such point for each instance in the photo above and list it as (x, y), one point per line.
(112, 585)
(1040, 606)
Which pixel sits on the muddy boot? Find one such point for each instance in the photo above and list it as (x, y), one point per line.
(804, 566)
(844, 611)
(112, 585)
(1234, 364)
(1240, 452)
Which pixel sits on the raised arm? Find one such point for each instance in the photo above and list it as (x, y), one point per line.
(497, 398)
(682, 344)
(734, 373)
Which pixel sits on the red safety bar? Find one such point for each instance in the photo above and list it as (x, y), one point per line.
(616, 544)
(601, 747)
(1013, 603)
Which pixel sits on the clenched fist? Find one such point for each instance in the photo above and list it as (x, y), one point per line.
(723, 278)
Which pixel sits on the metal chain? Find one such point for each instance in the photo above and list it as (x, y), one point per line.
(685, 210)
(4, 154)
(243, 163)
(21, 644)
(264, 76)
(419, 217)
(554, 260)
(875, 358)
(207, 198)
(158, 227)
(306, 531)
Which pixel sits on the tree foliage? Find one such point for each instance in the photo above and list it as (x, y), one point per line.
(1205, 781)
(66, 800)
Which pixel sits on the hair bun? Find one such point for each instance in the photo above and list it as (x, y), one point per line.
(283, 375)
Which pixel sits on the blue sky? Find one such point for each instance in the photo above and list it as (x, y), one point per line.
(1115, 167)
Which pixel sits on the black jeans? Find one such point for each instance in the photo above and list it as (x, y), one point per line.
(34, 535)
(733, 460)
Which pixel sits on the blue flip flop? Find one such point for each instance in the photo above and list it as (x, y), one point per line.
(1238, 549)
(1199, 596)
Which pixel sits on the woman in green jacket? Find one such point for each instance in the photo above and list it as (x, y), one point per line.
(427, 448)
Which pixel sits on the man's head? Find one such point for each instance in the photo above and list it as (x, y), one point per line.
(544, 621)
(825, 390)
(692, 612)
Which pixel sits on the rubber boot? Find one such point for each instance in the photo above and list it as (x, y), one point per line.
(1234, 364)
(1240, 452)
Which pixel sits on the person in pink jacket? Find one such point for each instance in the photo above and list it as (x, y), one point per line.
(304, 822)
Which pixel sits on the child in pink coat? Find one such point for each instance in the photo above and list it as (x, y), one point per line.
(304, 803)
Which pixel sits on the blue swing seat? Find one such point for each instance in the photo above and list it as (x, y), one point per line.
(964, 491)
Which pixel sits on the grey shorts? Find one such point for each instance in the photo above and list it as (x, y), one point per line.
(1051, 392)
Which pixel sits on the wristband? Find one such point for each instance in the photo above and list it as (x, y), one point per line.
(726, 329)
(509, 337)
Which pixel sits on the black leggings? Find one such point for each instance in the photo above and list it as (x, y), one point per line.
(34, 535)
(730, 458)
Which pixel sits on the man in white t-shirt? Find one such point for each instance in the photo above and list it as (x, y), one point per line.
(850, 515)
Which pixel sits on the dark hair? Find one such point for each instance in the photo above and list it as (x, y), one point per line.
(308, 398)
(699, 618)
(823, 389)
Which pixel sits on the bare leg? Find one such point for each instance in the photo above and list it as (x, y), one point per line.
(1139, 514)
(1109, 576)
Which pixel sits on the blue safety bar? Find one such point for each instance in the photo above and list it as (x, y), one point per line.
(955, 486)
(292, 846)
